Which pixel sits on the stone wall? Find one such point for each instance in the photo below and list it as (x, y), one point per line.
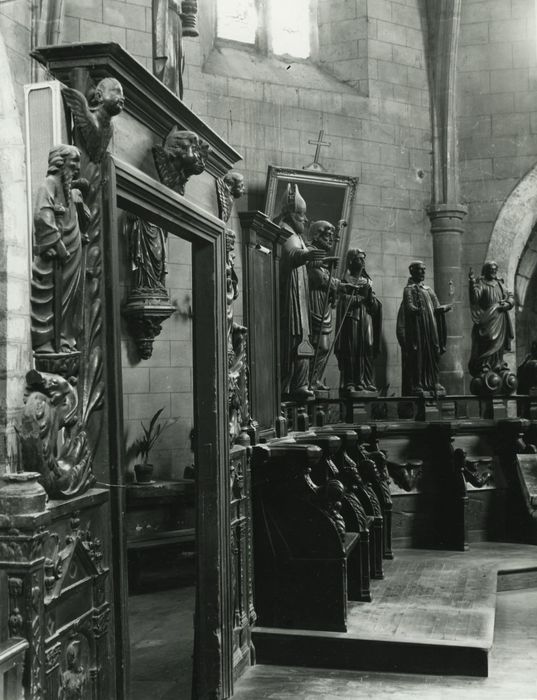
(269, 114)
(497, 107)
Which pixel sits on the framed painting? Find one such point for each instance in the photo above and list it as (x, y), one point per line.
(328, 197)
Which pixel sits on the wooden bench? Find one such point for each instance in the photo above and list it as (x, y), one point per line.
(306, 565)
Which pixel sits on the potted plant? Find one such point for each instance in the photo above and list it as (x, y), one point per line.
(143, 445)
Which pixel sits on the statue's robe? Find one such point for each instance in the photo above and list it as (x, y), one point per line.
(56, 283)
(422, 335)
(492, 331)
(322, 296)
(148, 255)
(296, 349)
(358, 343)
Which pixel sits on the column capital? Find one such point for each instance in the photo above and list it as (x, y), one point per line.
(446, 217)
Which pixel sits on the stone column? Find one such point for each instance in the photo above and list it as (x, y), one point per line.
(445, 212)
(447, 229)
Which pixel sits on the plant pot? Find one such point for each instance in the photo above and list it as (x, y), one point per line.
(144, 473)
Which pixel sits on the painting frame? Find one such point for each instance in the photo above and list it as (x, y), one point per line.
(339, 189)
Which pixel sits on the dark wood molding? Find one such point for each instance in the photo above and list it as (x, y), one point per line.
(131, 189)
(146, 99)
(262, 241)
(146, 197)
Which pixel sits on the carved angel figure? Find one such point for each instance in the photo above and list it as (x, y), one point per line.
(183, 154)
(229, 188)
(94, 124)
(52, 440)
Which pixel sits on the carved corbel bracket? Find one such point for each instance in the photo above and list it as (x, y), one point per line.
(145, 313)
(406, 475)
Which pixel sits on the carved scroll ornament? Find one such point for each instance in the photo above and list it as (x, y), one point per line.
(182, 155)
(53, 440)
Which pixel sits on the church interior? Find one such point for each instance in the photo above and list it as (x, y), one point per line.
(268, 387)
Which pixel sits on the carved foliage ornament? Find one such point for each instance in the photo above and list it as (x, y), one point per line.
(182, 155)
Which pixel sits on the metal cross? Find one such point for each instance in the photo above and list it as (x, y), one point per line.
(319, 143)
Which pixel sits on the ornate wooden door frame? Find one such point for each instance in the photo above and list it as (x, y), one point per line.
(126, 187)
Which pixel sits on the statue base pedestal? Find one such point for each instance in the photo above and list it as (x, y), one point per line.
(22, 494)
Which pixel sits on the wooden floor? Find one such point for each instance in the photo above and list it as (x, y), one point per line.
(512, 676)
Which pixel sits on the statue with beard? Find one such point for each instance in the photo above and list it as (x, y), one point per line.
(60, 221)
(296, 348)
(323, 292)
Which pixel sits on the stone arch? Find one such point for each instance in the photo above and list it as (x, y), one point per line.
(513, 227)
(513, 245)
(15, 350)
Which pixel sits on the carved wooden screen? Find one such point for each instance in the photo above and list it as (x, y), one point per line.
(130, 189)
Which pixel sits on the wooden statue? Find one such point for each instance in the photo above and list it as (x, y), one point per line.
(422, 335)
(359, 321)
(148, 304)
(296, 348)
(492, 332)
(60, 222)
(94, 124)
(182, 155)
(323, 288)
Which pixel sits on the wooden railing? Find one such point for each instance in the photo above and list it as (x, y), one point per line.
(12, 653)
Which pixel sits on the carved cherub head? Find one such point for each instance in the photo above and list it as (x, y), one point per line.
(322, 235)
(187, 151)
(235, 183)
(109, 95)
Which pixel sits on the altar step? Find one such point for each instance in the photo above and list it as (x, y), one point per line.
(432, 613)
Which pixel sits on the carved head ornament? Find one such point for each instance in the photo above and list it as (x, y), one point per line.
(322, 234)
(235, 183)
(109, 94)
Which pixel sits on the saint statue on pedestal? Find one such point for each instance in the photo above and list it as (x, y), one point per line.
(359, 318)
(60, 221)
(422, 335)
